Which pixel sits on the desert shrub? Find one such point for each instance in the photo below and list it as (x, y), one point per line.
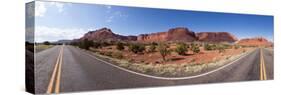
(209, 47)
(148, 68)
(152, 48)
(74, 43)
(109, 53)
(85, 44)
(117, 55)
(124, 64)
(193, 60)
(169, 70)
(46, 43)
(154, 43)
(221, 48)
(195, 48)
(181, 48)
(94, 50)
(164, 51)
(244, 50)
(236, 47)
(101, 53)
(141, 48)
(105, 43)
(227, 58)
(136, 48)
(120, 46)
(226, 46)
(96, 44)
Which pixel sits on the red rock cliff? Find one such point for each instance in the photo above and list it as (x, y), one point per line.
(257, 41)
(106, 34)
(174, 34)
(215, 37)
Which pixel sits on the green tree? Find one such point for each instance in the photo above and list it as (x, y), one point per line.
(152, 48)
(195, 48)
(164, 51)
(236, 46)
(221, 48)
(120, 46)
(85, 44)
(181, 48)
(105, 43)
(210, 47)
(96, 44)
(136, 48)
(46, 43)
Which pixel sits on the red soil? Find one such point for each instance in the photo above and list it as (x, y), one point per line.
(174, 58)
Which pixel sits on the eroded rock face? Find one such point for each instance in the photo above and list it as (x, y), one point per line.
(257, 41)
(160, 36)
(106, 34)
(174, 34)
(181, 34)
(216, 37)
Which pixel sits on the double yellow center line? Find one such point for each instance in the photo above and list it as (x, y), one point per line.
(262, 66)
(56, 74)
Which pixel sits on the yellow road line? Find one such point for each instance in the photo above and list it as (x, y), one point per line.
(57, 66)
(262, 67)
(261, 72)
(57, 88)
(264, 70)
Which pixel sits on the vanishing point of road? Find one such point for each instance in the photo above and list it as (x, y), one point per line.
(66, 68)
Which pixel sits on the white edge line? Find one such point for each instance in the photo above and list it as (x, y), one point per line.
(165, 78)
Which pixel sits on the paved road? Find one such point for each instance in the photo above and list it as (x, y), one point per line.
(82, 72)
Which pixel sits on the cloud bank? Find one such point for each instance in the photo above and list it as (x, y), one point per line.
(44, 33)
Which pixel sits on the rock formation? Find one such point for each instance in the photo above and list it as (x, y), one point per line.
(215, 37)
(105, 34)
(257, 41)
(174, 34)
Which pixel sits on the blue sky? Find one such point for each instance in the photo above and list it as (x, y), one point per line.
(56, 21)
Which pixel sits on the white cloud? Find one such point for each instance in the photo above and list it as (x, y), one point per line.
(58, 5)
(91, 29)
(109, 19)
(116, 15)
(108, 7)
(43, 33)
(42, 7)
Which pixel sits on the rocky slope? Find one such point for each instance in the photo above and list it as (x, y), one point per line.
(105, 34)
(174, 34)
(257, 41)
(215, 37)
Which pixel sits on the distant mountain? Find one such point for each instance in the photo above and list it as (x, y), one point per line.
(105, 34)
(215, 37)
(63, 41)
(257, 41)
(173, 34)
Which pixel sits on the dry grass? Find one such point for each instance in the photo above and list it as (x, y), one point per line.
(39, 48)
(172, 70)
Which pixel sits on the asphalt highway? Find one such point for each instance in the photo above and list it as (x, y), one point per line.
(66, 69)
